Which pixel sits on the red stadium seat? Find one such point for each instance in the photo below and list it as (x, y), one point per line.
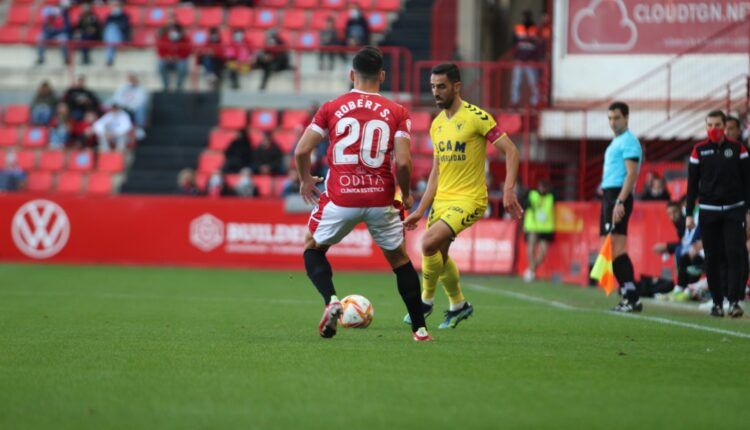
(291, 119)
(111, 162)
(232, 180)
(24, 2)
(378, 21)
(17, 114)
(255, 137)
(100, 183)
(10, 34)
(2, 158)
(256, 38)
(19, 15)
(210, 162)
(156, 17)
(333, 4)
(364, 4)
(319, 17)
(294, 19)
(139, 2)
(69, 182)
(308, 39)
(306, 4)
(39, 181)
(279, 4)
(166, 2)
(421, 167)
(52, 160)
(26, 159)
(278, 186)
(233, 118)
(145, 36)
(510, 123)
(219, 139)
(211, 17)
(266, 18)
(32, 35)
(101, 12)
(422, 144)
(286, 139)
(185, 16)
(421, 121)
(263, 183)
(264, 119)
(35, 137)
(8, 136)
(81, 161)
(135, 13)
(388, 5)
(240, 17)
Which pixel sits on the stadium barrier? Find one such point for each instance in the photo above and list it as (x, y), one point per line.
(202, 232)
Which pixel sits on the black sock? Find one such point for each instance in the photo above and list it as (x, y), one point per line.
(625, 274)
(408, 286)
(320, 273)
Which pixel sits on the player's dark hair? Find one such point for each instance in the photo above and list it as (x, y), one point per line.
(450, 70)
(368, 63)
(735, 119)
(717, 114)
(621, 106)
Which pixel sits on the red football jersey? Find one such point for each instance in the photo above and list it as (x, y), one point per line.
(361, 128)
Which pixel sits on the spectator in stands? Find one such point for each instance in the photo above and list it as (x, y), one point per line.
(173, 48)
(526, 45)
(87, 30)
(43, 104)
(211, 57)
(217, 185)
(538, 226)
(83, 135)
(267, 157)
(133, 98)
(329, 36)
(12, 177)
(237, 57)
(117, 30)
(186, 183)
(733, 129)
(80, 99)
(55, 29)
(657, 190)
(239, 154)
(245, 186)
(274, 59)
(114, 128)
(61, 128)
(291, 184)
(357, 32)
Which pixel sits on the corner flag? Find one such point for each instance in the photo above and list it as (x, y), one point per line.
(602, 270)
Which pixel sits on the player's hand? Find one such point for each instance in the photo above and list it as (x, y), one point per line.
(618, 213)
(689, 223)
(747, 225)
(407, 201)
(511, 205)
(308, 189)
(411, 221)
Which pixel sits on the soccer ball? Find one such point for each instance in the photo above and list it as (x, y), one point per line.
(358, 312)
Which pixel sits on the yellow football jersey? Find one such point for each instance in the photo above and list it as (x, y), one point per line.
(460, 146)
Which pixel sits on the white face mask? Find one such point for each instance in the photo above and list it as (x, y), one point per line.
(215, 181)
(354, 14)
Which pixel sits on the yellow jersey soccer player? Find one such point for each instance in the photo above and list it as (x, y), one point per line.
(456, 188)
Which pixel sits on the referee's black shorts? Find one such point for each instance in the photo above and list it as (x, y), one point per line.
(609, 195)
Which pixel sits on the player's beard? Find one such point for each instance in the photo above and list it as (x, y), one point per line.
(445, 103)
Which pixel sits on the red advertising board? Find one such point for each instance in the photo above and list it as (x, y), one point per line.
(653, 26)
(201, 232)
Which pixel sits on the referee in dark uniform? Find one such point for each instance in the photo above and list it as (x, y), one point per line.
(719, 177)
(621, 164)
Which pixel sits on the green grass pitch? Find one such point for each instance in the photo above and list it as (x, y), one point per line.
(163, 348)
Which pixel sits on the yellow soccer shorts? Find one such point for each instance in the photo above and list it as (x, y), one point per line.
(458, 214)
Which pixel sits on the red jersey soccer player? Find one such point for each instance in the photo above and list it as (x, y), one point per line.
(365, 130)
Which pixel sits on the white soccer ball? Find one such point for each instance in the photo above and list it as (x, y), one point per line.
(358, 312)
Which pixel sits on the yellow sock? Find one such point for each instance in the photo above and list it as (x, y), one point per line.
(432, 267)
(450, 281)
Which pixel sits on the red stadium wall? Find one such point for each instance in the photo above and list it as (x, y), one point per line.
(205, 232)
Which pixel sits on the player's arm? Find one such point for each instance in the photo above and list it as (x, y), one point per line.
(631, 167)
(403, 169)
(694, 175)
(427, 198)
(512, 160)
(302, 155)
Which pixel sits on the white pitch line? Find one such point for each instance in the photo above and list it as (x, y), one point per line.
(561, 305)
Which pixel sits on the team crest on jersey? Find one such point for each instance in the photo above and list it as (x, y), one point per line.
(459, 125)
(728, 153)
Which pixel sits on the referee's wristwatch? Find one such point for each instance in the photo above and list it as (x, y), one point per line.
(619, 202)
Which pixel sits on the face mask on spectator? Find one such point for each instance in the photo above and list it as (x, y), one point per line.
(354, 14)
(715, 134)
(174, 35)
(215, 180)
(116, 11)
(238, 37)
(214, 38)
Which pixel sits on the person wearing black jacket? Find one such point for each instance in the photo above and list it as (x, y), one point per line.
(719, 176)
(88, 29)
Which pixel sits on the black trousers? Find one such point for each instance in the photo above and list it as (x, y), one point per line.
(723, 235)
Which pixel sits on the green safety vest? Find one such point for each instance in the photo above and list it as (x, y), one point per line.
(540, 215)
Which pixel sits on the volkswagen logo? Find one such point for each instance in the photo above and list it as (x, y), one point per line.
(40, 229)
